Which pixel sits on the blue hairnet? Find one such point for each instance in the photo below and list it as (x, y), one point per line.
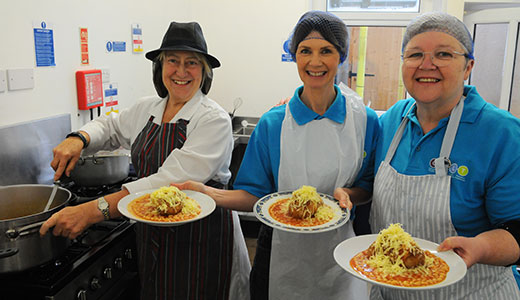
(328, 25)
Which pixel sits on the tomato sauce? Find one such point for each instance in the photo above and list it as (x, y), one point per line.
(140, 208)
(436, 273)
(278, 211)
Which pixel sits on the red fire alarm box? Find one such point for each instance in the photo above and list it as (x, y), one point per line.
(90, 89)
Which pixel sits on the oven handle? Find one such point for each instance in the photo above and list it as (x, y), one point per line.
(15, 233)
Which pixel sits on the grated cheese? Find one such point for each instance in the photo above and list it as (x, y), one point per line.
(166, 197)
(386, 257)
(305, 194)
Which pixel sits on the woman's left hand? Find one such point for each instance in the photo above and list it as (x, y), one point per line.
(467, 248)
(343, 198)
(494, 247)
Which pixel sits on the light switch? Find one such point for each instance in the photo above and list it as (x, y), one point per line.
(2, 81)
(105, 75)
(20, 79)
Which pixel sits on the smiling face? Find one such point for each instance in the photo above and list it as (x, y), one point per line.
(317, 62)
(427, 83)
(181, 75)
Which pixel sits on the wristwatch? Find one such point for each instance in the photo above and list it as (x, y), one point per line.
(103, 206)
(79, 135)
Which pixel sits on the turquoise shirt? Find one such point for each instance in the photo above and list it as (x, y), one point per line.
(258, 173)
(485, 170)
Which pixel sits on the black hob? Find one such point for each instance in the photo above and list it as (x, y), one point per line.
(98, 264)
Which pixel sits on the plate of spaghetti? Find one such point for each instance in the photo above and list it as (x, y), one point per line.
(303, 211)
(166, 206)
(394, 259)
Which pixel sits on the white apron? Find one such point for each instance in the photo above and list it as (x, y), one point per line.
(422, 205)
(326, 155)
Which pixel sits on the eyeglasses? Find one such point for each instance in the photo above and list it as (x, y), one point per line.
(189, 63)
(439, 57)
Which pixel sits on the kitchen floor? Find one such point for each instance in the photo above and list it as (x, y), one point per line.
(250, 231)
(251, 248)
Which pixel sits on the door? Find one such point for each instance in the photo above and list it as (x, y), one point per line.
(497, 52)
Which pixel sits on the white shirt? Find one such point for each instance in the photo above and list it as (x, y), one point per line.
(206, 153)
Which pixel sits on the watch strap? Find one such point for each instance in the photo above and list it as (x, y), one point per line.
(79, 135)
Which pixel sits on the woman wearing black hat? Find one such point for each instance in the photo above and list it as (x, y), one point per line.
(324, 137)
(181, 135)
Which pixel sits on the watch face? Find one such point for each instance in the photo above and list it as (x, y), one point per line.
(102, 204)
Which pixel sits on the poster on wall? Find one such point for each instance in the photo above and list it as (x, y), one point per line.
(111, 97)
(83, 38)
(137, 38)
(44, 44)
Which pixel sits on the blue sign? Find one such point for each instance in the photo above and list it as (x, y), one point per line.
(109, 46)
(119, 46)
(286, 56)
(110, 92)
(44, 47)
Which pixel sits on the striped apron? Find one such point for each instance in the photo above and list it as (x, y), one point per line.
(422, 205)
(191, 261)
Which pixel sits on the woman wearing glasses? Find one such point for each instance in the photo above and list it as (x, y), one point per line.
(449, 164)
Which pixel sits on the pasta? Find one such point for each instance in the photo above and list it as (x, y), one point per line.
(304, 208)
(395, 258)
(167, 204)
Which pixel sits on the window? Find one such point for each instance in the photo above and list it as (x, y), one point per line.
(373, 5)
(381, 86)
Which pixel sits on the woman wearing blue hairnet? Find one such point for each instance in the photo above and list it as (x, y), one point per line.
(324, 137)
(448, 165)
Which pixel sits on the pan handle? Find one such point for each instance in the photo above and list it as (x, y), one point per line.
(14, 233)
(8, 252)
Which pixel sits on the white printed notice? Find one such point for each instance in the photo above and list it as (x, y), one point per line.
(137, 38)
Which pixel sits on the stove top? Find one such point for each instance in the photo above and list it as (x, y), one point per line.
(102, 257)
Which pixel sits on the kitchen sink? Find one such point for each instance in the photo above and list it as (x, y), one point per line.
(243, 128)
(244, 131)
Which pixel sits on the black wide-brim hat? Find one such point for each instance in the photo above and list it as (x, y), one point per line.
(184, 37)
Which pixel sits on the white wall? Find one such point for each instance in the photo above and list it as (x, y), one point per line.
(245, 35)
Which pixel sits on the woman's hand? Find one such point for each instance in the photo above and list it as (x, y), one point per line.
(191, 185)
(66, 155)
(72, 220)
(343, 197)
(495, 247)
(467, 248)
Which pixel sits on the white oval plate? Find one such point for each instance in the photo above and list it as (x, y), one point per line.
(261, 211)
(347, 249)
(207, 205)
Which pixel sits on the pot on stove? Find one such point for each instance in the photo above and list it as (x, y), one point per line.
(21, 215)
(101, 168)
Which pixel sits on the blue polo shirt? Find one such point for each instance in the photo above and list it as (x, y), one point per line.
(258, 172)
(485, 157)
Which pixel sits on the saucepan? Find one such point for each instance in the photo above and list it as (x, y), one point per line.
(101, 168)
(21, 215)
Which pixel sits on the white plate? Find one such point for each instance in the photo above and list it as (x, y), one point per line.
(207, 205)
(261, 210)
(351, 247)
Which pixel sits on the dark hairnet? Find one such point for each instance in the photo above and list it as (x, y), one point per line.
(440, 22)
(328, 25)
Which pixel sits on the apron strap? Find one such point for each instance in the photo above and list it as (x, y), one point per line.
(443, 163)
(397, 137)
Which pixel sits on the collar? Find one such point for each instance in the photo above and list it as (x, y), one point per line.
(186, 112)
(473, 105)
(302, 114)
